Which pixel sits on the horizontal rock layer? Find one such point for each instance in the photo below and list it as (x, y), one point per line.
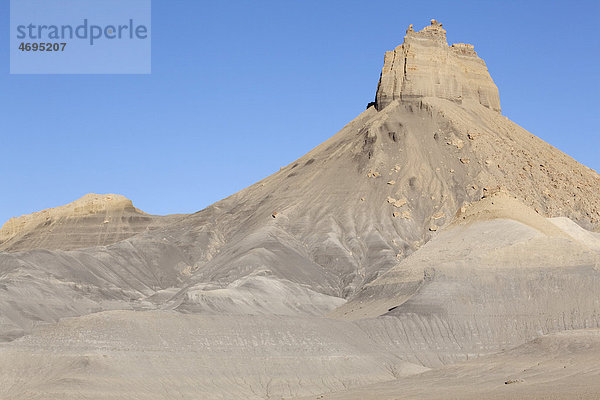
(93, 220)
(425, 66)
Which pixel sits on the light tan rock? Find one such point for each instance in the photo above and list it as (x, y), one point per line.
(438, 215)
(425, 66)
(459, 144)
(93, 220)
(397, 203)
(400, 203)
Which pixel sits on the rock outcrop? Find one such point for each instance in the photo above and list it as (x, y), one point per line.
(425, 66)
(93, 220)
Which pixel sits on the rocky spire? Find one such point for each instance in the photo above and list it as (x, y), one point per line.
(425, 66)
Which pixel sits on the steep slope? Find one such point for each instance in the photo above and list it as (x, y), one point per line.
(376, 191)
(93, 220)
(498, 276)
(379, 189)
(497, 232)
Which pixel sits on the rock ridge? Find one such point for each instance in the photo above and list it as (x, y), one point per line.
(92, 220)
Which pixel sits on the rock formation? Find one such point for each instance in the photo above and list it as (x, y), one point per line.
(425, 66)
(93, 220)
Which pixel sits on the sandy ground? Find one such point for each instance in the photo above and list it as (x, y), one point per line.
(165, 354)
(560, 366)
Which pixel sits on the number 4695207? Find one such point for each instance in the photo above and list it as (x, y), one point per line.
(42, 46)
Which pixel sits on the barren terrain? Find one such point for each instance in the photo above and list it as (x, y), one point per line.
(431, 249)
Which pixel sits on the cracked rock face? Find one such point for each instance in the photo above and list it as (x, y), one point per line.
(425, 66)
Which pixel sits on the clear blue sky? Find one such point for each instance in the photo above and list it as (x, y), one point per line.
(241, 88)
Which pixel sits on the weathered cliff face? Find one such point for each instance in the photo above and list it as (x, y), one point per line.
(425, 66)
